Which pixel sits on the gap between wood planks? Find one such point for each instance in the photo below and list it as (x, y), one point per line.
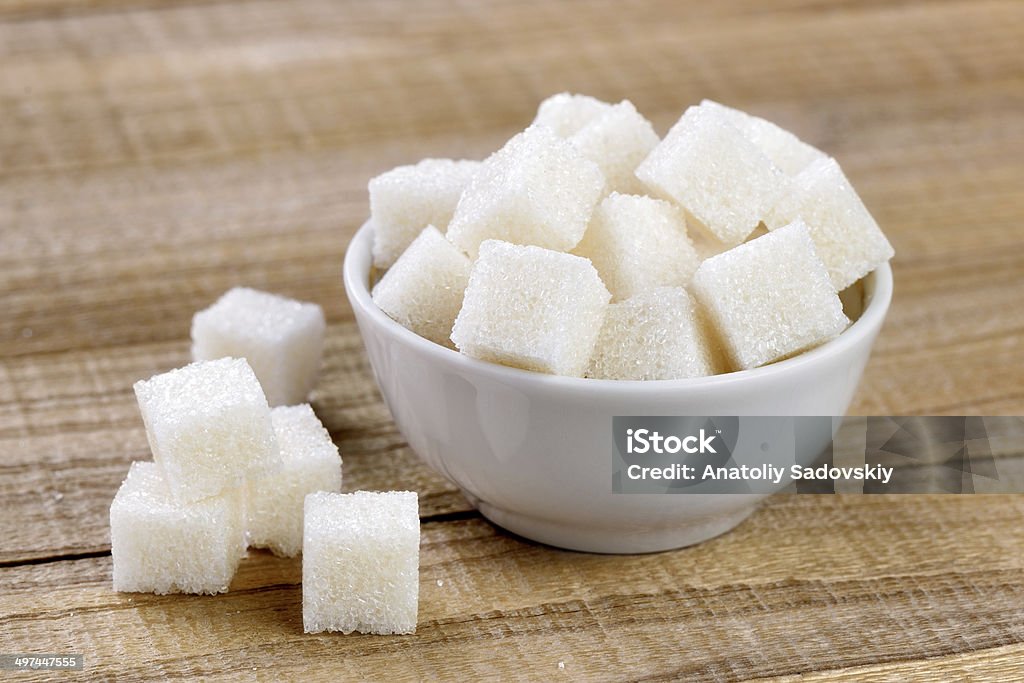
(438, 518)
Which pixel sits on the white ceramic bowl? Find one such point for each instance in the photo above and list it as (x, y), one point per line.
(533, 452)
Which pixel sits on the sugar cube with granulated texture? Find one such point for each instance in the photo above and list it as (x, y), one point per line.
(310, 463)
(566, 114)
(617, 140)
(531, 308)
(537, 189)
(845, 235)
(423, 290)
(770, 298)
(360, 562)
(159, 545)
(706, 246)
(637, 243)
(723, 181)
(653, 335)
(719, 358)
(407, 199)
(209, 427)
(787, 151)
(281, 338)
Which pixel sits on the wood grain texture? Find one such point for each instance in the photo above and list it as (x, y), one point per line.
(154, 154)
(856, 583)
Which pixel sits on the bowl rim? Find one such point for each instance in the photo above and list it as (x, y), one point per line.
(878, 286)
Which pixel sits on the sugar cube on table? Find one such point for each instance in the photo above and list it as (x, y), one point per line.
(423, 290)
(531, 308)
(617, 140)
(566, 114)
(657, 334)
(310, 463)
(770, 298)
(407, 199)
(209, 427)
(787, 151)
(637, 243)
(537, 189)
(281, 338)
(360, 562)
(159, 545)
(723, 181)
(845, 235)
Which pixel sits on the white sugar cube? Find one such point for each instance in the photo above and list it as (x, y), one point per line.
(423, 290)
(770, 298)
(531, 308)
(787, 151)
(719, 357)
(310, 463)
(360, 562)
(723, 181)
(566, 114)
(845, 235)
(654, 335)
(159, 545)
(209, 427)
(705, 246)
(281, 338)
(617, 140)
(537, 189)
(407, 199)
(638, 243)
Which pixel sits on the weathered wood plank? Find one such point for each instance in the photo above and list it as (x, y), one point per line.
(993, 664)
(70, 427)
(850, 566)
(156, 153)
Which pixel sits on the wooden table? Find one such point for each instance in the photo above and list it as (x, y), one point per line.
(153, 154)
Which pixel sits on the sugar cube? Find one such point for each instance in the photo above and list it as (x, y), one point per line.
(537, 189)
(770, 298)
(723, 181)
(637, 243)
(160, 545)
(281, 338)
(654, 335)
(617, 140)
(407, 199)
(360, 562)
(787, 151)
(845, 235)
(719, 357)
(531, 308)
(706, 246)
(310, 463)
(566, 114)
(423, 290)
(209, 427)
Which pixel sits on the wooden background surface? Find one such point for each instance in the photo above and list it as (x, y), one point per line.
(153, 154)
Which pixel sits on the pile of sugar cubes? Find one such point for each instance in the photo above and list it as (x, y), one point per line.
(589, 247)
(240, 460)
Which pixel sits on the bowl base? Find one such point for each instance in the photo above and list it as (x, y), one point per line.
(614, 542)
